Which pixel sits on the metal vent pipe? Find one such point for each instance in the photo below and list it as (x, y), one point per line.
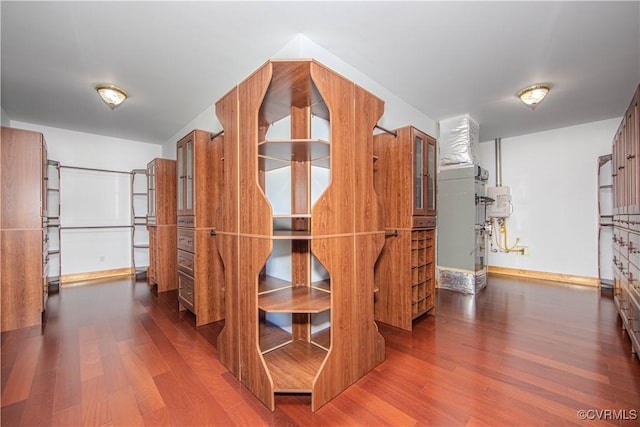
(498, 151)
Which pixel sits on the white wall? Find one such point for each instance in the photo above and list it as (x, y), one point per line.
(553, 183)
(5, 120)
(397, 113)
(95, 198)
(207, 120)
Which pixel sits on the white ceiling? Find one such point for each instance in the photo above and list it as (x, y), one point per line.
(444, 58)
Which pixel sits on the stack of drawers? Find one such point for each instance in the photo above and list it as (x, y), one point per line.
(626, 270)
(626, 220)
(186, 264)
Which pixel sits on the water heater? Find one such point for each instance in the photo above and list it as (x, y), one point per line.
(501, 205)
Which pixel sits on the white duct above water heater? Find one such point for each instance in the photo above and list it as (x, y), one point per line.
(459, 140)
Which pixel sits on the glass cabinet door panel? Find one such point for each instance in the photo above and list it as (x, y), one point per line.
(189, 176)
(180, 169)
(151, 190)
(431, 177)
(418, 175)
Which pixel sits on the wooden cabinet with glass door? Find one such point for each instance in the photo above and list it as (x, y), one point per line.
(161, 223)
(199, 183)
(405, 181)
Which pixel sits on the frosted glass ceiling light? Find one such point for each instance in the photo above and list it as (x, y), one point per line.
(533, 95)
(111, 95)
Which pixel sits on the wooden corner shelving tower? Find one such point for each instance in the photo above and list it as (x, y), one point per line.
(299, 256)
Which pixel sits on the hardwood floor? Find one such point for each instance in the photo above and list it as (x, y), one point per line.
(520, 353)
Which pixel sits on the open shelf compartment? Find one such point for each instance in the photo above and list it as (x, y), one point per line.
(294, 366)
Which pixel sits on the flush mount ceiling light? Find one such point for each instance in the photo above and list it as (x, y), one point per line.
(111, 95)
(533, 95)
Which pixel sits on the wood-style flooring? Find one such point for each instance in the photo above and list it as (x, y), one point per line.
(520, 353)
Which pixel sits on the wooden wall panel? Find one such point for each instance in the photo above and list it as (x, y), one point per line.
(22, 281)
(21, 179)
(368, 211)
(227, 232)
(167, 268)
(166, 192)
(356, 345)
(333, 212)
(393, 178)
(255, 211)
(207, 179)
(229, 339)
(253, 371)
(209, 277)
(392, 268)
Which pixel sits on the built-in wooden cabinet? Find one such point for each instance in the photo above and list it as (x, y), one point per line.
(405, 181)
(300, 230)
(626, 221)
(199, 183)
(23, 239)
(161, 223)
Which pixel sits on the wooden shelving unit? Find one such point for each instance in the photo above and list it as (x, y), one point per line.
(23, 242)
(626, 221)
(162, 224)
(139, 233)
(405, 179)
(200, 270)
(294, 274)
(54, 252)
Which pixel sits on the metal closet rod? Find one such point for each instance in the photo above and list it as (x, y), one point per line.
(87, 227)
(392, 132)
(215, 135)
(93, 169)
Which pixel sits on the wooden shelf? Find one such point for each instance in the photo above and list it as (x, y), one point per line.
(294, 150)
(269, 163)
(268, 284)
(295, 300)
(292, 216)
(272, 337)
(294, 366)
(291, 235)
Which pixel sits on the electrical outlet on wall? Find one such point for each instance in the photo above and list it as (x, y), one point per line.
(522, 250)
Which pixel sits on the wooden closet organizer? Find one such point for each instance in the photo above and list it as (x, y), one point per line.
(161, 224)
(332, 244)
(199, 178)
(405, 181)
(24, 263)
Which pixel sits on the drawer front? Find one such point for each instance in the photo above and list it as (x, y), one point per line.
(633, 248)
(186, 239)
(186, 262)
(634, 222)
(186, 221)
(424, 222)
(185, 291)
